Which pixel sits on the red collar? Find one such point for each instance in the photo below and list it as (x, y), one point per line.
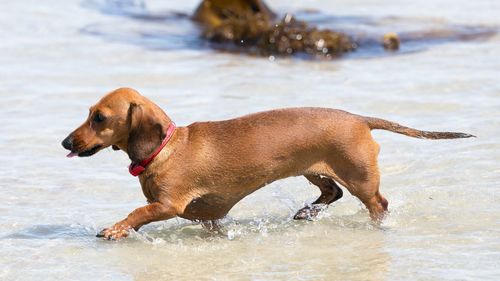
(137, 168)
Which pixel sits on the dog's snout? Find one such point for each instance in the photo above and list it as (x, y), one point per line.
(68, 142)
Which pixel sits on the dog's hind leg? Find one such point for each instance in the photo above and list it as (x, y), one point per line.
(330, 192)
(376, 204)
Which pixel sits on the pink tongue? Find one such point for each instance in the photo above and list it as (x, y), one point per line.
(71, 154)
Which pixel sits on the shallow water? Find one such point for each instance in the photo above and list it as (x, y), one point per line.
(58, 57)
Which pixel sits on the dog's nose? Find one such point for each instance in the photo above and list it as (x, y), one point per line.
(68, 142)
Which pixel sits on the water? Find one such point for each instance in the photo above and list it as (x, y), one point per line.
(59, 57)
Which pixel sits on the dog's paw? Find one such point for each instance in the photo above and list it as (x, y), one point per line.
(309, 212)
(116, 232)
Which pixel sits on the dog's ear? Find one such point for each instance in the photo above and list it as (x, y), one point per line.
(146, 132)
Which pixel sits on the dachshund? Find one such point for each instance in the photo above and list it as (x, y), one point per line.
(199, 172)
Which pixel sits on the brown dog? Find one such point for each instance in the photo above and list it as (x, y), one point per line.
(201, 171)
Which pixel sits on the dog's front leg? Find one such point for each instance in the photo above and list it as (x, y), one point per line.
(139, 217)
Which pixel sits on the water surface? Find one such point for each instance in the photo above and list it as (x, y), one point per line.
(59, 57)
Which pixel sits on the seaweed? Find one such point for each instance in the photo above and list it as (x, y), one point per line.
(250, 25)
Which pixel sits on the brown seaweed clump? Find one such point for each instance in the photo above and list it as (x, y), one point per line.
(391, 41)
(251, 24)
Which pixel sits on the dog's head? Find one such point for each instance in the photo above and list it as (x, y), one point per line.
(124, 120)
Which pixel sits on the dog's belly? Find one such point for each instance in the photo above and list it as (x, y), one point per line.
(207, 207)
(218, 203)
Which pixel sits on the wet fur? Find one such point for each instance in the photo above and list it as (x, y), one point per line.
(208, 167)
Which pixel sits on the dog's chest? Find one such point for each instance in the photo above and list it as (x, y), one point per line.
(149, 189)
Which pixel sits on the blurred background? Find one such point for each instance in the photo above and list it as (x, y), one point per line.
(59, 57)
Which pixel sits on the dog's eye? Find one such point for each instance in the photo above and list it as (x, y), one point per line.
(98, 118)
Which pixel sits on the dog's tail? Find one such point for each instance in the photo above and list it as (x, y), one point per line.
(377, 123)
